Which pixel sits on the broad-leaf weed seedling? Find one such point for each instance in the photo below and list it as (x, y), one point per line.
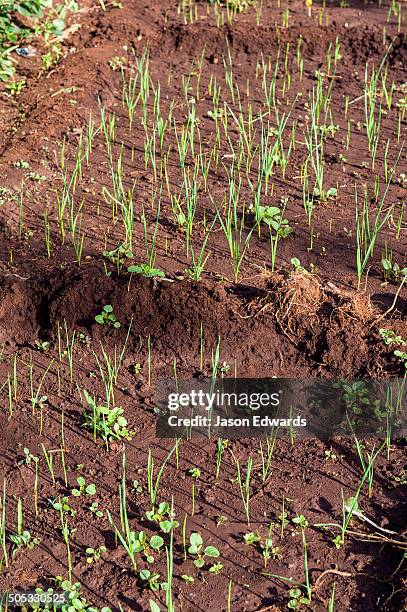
(22, 538)
(94, 508)
(76, 601)
(164, 517)
(197, 549)
(94, 554)
(297, 596)
(107, 317)
(61, 504)
(146, 270)
(108, 423)
(267, 548)
(49, 22)
(144, 545)
(389, 337)
(150, 580)
(391, 269)
(83, 488)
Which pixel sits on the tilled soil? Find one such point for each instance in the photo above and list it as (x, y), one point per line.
(280, 324)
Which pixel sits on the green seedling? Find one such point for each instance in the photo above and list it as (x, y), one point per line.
(146, 270)
(164, 517)
(221, 446)
(144, 545)
(244, 486)
(42, 346)
(369, 226)
(94, 554)
(169, 556)
(268, 550)
(355, 395)
(197, 549)
(76, 600)
(109, 367)
(283, 517)
(251, 538)
(390, 337)
(297, 599)
(150, 580)
(300, 587)
(28, 459)
(278, 227)
(107, 317)
(83, 488)
(301, 521)
(107, 423)
(49, 460)
(61, 504)
(153, 486)
(402, 355)
(94, 508)
(348, 507)
(195, 473)
(126, 536)
(137, 488)
(187, 578)
(3, 530)
(267, 455)
(392, 270)
(84, 339)
(22, 538)
(296, 263)
(198, 263)
(118, 255)
(216, 568)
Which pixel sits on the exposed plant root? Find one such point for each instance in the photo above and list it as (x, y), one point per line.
(298, 301)
(355, 306)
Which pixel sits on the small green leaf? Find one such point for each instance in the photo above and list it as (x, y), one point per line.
(211, 551)
(196, 539)
(145, 574)
(153, 606)
(156, 542)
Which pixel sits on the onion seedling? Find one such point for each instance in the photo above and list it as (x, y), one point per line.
(352, 504)
(127, 537)
(3, 527)
(266, 456)
(296, 594)
(366, 233)
(49, 461)
(63, 449)
(233, 227)
(195, 473)
(244, 486)
(147, 269)
(198, 265)
(22, 538)
(65, 534)
(153, 485)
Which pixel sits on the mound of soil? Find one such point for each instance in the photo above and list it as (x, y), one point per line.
(304, 323)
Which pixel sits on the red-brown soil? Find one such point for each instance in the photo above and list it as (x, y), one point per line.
(334, 335)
